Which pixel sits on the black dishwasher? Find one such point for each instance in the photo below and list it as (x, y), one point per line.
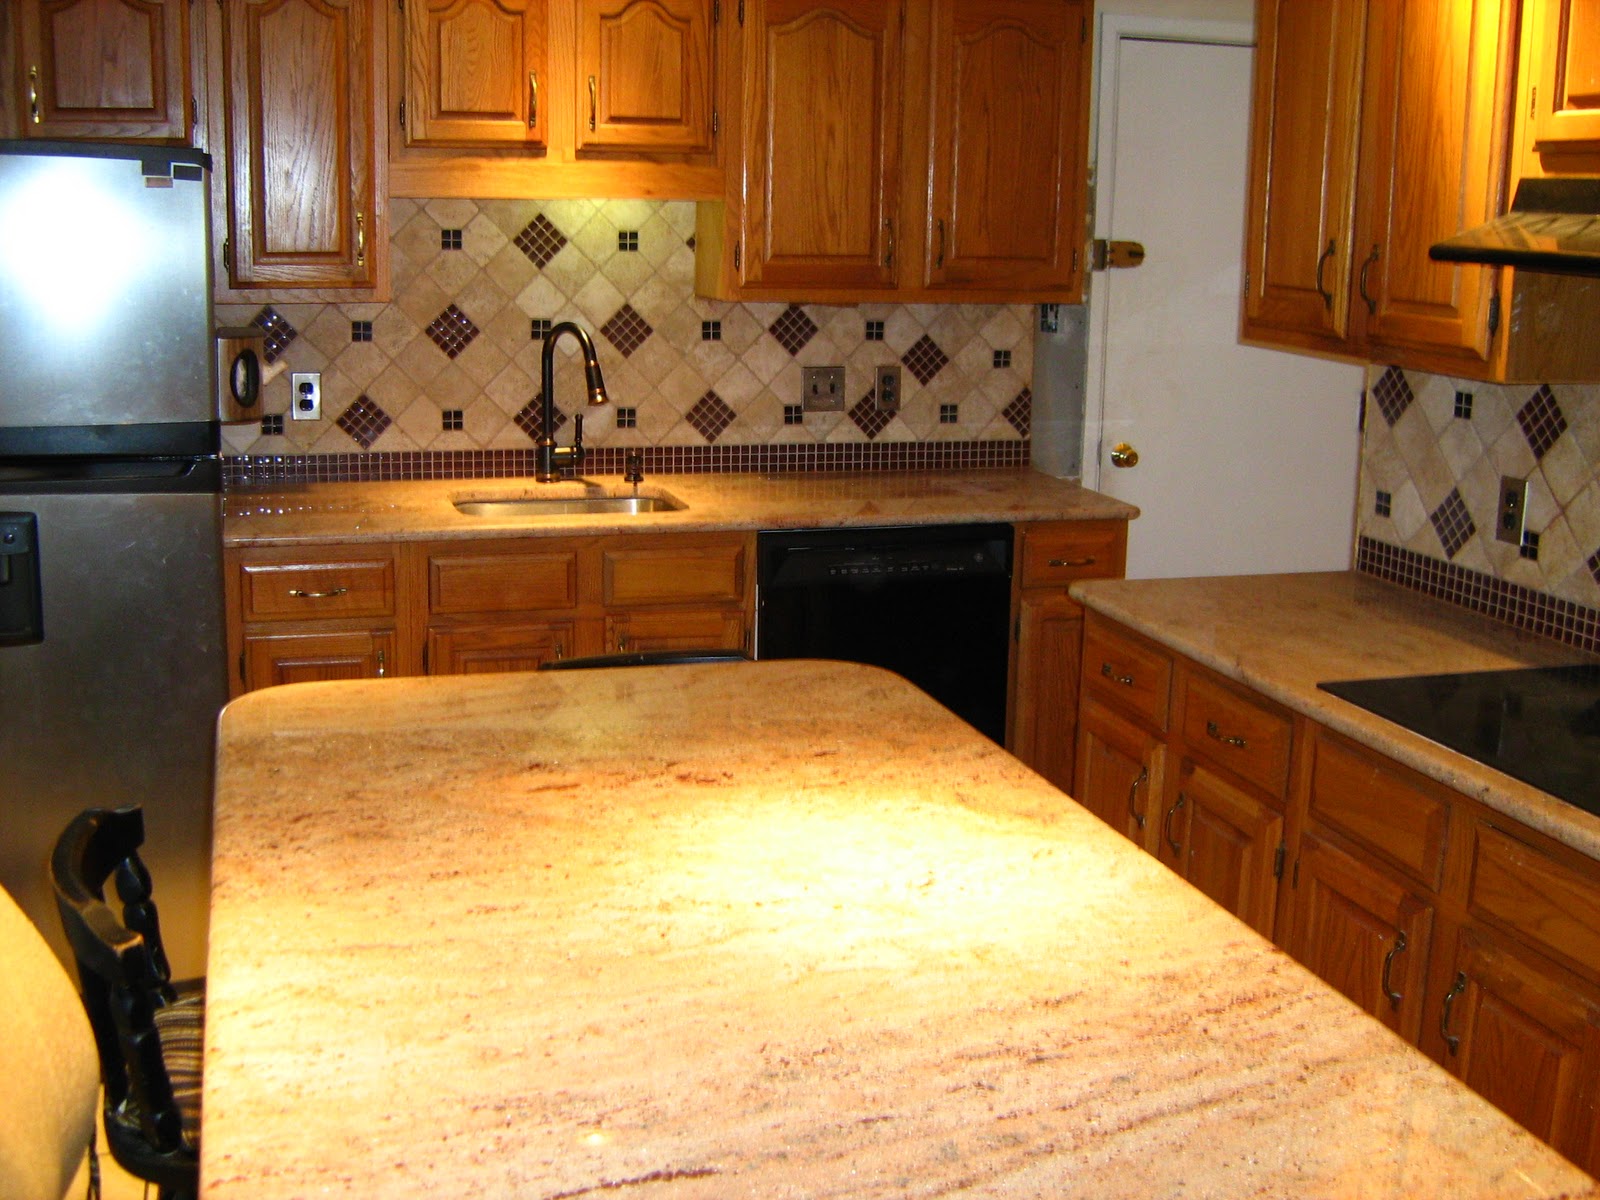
(929, 602)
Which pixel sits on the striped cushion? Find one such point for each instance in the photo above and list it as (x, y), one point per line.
(181, 1027)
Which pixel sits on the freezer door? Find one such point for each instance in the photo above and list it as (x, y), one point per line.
(105, 285)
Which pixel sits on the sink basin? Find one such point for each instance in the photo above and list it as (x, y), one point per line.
(560, 506)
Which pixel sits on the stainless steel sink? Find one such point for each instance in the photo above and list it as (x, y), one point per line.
(560, 506)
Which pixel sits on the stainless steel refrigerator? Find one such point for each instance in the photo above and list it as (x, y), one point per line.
(111, 643)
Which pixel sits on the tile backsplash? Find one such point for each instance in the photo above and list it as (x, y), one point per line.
(452, 363)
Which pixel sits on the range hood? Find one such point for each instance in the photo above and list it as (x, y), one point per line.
(1553, 227)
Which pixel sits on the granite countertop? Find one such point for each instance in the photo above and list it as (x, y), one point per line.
(344, 512)
(1283, 634)
(766, 929)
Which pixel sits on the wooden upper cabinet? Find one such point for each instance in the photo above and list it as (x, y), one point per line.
(1006, 143)
(1563, 88)
(116, 69)
(300, 97)
(474, 70)
(820, 209)
(645, 77)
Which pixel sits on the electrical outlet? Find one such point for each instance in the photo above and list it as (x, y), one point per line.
(1511, 520)
(305, 395)
(886, 392)
(822, 389)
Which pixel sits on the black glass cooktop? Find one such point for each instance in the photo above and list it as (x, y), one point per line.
(1540, 724)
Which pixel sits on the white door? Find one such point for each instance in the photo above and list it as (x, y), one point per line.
(1247, 458)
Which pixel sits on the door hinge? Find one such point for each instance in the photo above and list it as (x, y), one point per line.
(716, 12)
(737, 258)
(194, 111)
(227, 254)
(402, 114)
(741, 12)
(1494, 315)
(716, 122)
(1277, 860)
(1109, 254)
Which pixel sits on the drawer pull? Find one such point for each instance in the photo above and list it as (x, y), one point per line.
(1073, 562)
(1228, 739)
(1388, 966)
(1166, 825)
(299, 594)
(1133, 792)
(1107, 670)
(1452, 1041)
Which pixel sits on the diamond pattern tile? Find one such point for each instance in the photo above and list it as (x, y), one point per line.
(626, 330)
(1393, 394)
(867, 417)
(1453, 523)
(925, 359)
(1542, 421)
(540, 240)
(364, 421)
(278, 330)
(793, 329)
(710, 416)
(1593, 563)
(1020, 411)
(530, 419)
(452, 331)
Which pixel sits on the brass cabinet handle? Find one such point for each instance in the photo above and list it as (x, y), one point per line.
(1372, 305)
(1133, 792)
(1110, 673)
(361, 239)
(1388, 965)
(1452, 1041)
(938, 261)
(1217, 735)
(533, 98)
(561, 651)
(382, 666)
(593, 90)
(888, 254)
(1327, 296)
(299, 594)
(1073, 562)
(33, 94)
(1166, 825)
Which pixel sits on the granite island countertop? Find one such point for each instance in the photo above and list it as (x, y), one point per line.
(766, 929)
(1284, 634)
(307, 514)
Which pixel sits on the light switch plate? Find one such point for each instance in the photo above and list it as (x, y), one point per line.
(822, 389)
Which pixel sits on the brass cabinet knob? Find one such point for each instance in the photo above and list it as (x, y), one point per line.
(1124, 455)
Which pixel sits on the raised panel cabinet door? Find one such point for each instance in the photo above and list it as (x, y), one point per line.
(491, 649)
(1566, 58)
(116, 69)
(821, 180)
(1362, 931)
(1433, 150)
(645, 76)
(642, 632)
(272, 659)
(1045, 694)
(473, 72)
(1525, 1035)
(300, 125)
(1119, 772)
(1007, 145)
(1304, 124)
(1228, 847)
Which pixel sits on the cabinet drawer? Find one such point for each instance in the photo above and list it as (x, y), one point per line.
(640, 632)
(1059, 553)
(1129, 674)
(312, 591)
(1237, 732)
(517, 582)
(1546, 901)
(695, 573)
(1399, 815)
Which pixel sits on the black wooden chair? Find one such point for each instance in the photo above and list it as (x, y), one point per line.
(148, 1031)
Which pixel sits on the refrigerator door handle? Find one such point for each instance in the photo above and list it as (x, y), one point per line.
(21, 599)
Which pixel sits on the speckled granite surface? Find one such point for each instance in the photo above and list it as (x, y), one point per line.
(771, 929)
(1283, 634)
(324, 512)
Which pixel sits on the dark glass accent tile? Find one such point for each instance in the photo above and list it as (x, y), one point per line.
(867, 417)
(710, 416)
(530, 419)
(1593, 563)
(360, 331)
(710, 331)
(626, 330)
(272, 425)
(453, 419)
(278, 330)
(452, 331)
(1453, 523)
(628, 241)
(1002, 359)
(1393, 394)
(1384, 505)
(364, 421)
(627, 418)
(1542, 421)
(793, 329)
(1464, 406)
(540, 240)
(541, 328)
(949, 414)
(1020, 411)
(795, 414)
(1530, 545)
(925, 359)
(874, 331)
(449, 239)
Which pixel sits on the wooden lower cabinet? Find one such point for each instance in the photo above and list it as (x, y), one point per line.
(271, 659)
(1227, 841)
(1120, 772)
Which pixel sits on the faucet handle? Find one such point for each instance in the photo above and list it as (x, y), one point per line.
(633, 467)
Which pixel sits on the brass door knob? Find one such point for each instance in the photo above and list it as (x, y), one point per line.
(1124, 455)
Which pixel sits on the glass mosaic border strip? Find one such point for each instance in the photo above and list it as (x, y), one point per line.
(240, 471)
(1523, 608)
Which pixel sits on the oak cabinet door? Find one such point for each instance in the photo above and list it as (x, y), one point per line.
(115, 69)
(1566, 70)
(1007, 145)
(272, 659)
(645, 631)
(473, 72)
(1225, 840)
(300, 117)
(645, 76)
(823, 96)
(1045, 697)
(507, 646)
(1119, 772)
